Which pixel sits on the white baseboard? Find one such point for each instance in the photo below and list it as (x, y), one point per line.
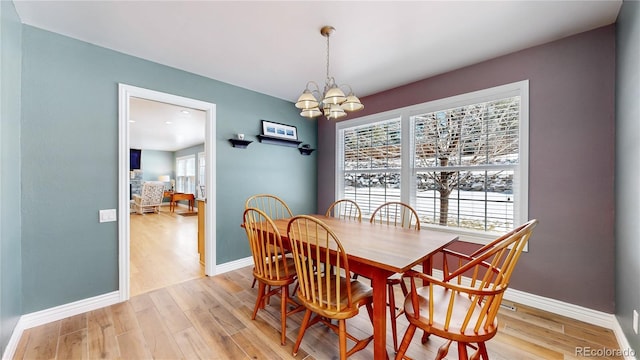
(42, 317)
(573, 311)
(234, 265)
(577, 312)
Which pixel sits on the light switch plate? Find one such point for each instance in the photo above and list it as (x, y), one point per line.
(107, 215)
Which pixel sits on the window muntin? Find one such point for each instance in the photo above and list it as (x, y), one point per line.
(478, 142)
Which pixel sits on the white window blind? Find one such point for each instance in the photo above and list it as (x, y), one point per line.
(460, 162)
(186, 174)
(465, 163)
(371, 163)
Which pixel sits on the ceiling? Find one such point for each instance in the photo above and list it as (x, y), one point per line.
(158, 126)
(275, 47)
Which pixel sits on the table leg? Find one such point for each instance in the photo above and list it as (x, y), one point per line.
(427, 268)
(379, 284)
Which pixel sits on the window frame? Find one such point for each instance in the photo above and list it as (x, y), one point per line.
(408, 170)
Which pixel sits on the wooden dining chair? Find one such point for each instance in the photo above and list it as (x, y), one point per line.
(462, 306)
(331, 295)
(273, 271)
(397, 214)
(272, 205)
(345, 209)
(401, 215)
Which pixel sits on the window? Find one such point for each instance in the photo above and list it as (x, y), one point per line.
(186, 174)
(461, 162)
(371, 164)
(201, 174)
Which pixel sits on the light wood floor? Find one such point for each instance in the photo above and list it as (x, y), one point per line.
(210, 318)
(163, 250)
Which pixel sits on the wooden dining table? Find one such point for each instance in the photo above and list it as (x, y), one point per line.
(377, 251)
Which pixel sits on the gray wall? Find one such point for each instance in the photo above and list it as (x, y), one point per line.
(10, 204)
(70, 161)
(628, 169)
(571, 192)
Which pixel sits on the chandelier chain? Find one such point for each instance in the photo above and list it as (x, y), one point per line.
(327, 57)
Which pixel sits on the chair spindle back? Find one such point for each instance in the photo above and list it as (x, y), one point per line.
(345, 209)
(271, 205)
(316, 251)
(397, 214)
(266, 245)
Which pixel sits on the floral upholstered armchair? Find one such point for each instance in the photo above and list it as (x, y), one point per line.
(150, 197)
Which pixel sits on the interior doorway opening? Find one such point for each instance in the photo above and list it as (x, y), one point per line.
(126, 93)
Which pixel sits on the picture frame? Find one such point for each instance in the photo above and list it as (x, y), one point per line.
(277, 130)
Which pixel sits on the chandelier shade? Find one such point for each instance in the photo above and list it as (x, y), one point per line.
(332, 100)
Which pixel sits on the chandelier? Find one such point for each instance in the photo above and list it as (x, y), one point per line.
(332, 100)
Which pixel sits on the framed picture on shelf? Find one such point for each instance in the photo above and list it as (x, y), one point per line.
(276, 130)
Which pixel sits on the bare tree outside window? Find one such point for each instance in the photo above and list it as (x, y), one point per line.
(473, 148)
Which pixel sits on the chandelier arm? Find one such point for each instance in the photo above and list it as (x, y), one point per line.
(315, 89)
(350, 92)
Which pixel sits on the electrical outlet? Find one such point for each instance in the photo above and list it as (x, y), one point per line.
(635, 321)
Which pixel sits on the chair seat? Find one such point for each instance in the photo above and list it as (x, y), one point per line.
(441, 301)
(285, 274)
(361, 294)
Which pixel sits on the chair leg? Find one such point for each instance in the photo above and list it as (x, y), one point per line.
(462, 351)
(392, 312)
(343, 338)
(475, 355)
(406, 341)
(303, 328)
(425, 337)
(259, 300)
(482, 349)
(444, 350)
(370, 312)
(403, 286)
(284, 292)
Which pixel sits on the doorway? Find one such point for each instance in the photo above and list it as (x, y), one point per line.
(126, 92)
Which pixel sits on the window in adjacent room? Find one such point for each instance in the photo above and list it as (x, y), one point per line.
(186, 174)
(201, 175)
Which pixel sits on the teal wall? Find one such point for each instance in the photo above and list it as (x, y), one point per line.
(10, 253)
(156, 163)
(70, 161)
(627, 169)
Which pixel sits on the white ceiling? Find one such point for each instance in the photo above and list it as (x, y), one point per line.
(158, 126)
(275, 47)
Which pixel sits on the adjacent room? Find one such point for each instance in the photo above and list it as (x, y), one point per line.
(166, 148)
(319, 180)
